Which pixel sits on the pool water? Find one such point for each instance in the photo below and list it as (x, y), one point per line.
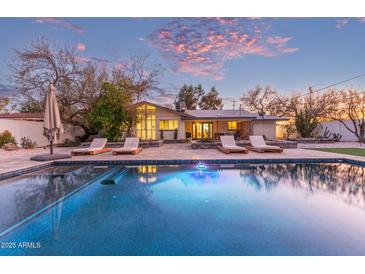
(274, 209)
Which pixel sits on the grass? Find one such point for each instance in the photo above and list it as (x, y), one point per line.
(344, 150)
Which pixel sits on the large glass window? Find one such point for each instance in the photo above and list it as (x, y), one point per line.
(168, 124)
(232, 125)
(146, 122)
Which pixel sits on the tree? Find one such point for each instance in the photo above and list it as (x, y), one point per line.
(348, 105)
(109, 112)
(307, 111)
(38, 66)
(78, 84)
(211, 100)
(141, 75)
(4, 101)
(189, 97)
(263, 101)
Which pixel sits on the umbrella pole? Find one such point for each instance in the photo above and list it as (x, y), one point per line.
(51, 147)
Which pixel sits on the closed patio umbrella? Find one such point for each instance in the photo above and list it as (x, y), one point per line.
(52, 120)
(52, 127)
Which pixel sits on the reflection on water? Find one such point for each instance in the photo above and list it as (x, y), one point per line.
(21, 196)
(343, 181)
(147, 174)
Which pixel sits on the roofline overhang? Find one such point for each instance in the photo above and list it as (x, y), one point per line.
(220, 118)
(183, 114)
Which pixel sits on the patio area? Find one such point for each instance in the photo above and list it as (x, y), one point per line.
(20, 159)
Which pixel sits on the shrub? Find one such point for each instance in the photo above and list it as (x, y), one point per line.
(6, 137)
(27, 143)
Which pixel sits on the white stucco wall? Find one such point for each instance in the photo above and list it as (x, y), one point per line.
(162, 114)
(267, 128)
(338, 127)
(32, 130)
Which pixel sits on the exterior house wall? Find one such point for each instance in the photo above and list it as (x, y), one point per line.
(218, 127)
(32, 130)
(338, 127)
(267, 128)
(162, 114)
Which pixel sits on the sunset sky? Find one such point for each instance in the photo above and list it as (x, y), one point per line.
(232, 54)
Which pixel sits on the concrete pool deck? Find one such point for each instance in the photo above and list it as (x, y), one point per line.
(20, 159)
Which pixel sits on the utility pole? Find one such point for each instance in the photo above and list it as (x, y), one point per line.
(310, 97)
(234, 104)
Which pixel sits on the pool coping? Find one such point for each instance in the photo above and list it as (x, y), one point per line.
(23, 171)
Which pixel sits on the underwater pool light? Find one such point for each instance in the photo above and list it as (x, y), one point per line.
(201, 165)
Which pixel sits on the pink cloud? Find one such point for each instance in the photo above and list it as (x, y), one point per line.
(81, 47)
(82, 59)
(119, 66)
(362, 19)
(278, 40)
(202, 46)
(59, 22)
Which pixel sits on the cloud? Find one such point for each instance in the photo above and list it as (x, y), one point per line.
(163, 96)
(341, 22)
(81, 47)
(82, 59)
(100, 60)
(59, 22)
(361, 19)
(7, 90)
(202, 46)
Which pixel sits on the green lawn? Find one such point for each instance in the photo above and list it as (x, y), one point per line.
(344, 150)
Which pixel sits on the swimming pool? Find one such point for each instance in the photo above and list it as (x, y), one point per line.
(222, 209)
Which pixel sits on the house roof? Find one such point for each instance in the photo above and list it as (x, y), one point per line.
(229, 114)
(23, 116)
(221, 114)
(217, 114)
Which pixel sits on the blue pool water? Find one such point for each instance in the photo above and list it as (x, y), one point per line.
(276, 209)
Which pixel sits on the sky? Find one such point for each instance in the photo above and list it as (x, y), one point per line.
(232, 54)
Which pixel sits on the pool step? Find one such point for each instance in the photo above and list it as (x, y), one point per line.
(116, 175)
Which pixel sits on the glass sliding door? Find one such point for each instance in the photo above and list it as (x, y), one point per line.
(203, 130)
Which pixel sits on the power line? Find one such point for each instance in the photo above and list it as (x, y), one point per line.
(332, 85)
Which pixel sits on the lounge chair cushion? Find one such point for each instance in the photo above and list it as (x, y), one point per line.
(259, 142)
(131, 142)
(124, 149)
(96, 145)
(130, 146)
(228, 141)
(235, 148)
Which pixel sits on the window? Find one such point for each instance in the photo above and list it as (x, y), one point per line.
(146, 122)
(232, 125)
(168, 124)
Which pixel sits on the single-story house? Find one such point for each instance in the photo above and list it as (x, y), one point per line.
(31, 125)
(157, 122)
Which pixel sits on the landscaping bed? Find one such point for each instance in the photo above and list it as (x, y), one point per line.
(313, 140)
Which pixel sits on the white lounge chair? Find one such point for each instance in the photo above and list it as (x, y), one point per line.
(130, 147)
(258, 145)
(229, 145)
(97, 146)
